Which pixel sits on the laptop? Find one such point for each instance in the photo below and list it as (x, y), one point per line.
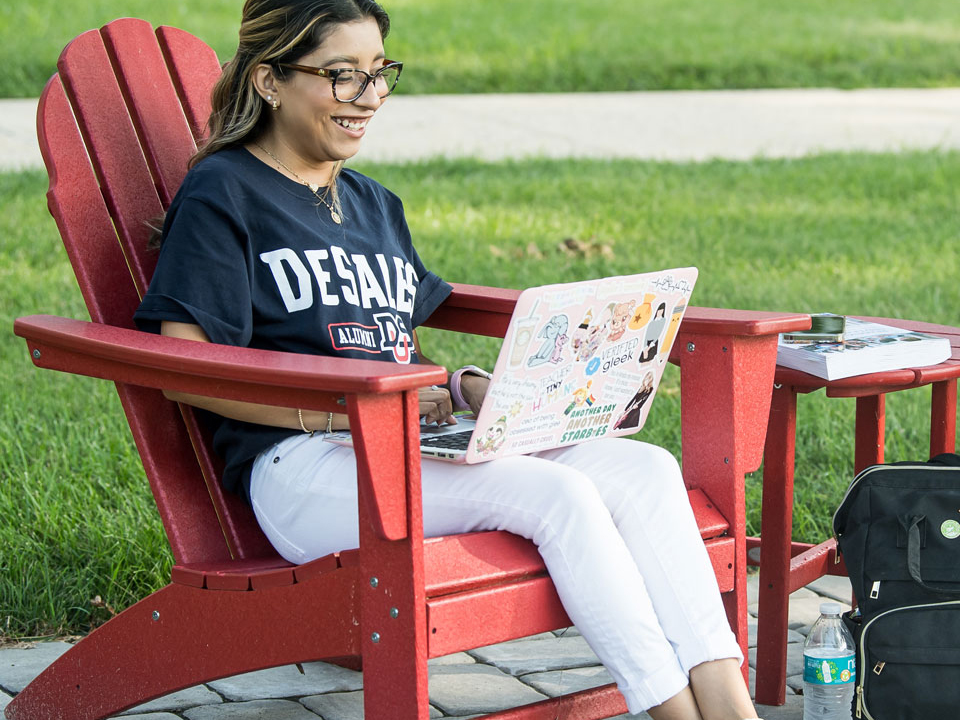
(579, 361)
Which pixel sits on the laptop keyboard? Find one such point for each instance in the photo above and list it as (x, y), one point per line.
(450, 441)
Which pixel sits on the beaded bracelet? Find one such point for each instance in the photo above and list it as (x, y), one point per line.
(311, 432)
(302, 426)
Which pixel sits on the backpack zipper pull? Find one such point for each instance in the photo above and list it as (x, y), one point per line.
(875, 590)
(859, 701)
(878, 668)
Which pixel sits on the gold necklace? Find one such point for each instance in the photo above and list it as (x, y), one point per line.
(315, 189)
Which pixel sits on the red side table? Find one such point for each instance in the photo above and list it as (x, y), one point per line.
(786, 566)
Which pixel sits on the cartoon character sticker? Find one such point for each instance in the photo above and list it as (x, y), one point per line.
(630, 417)
(643, 312)
(493, 437)
(673, 327)
(554, 336)
(590, 334)
(622, 312)
(651, 339)
(581, 398)
(580, 334)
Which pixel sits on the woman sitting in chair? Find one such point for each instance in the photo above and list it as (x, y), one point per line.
(271, 243)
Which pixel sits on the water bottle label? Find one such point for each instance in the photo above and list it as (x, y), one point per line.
(829, 671)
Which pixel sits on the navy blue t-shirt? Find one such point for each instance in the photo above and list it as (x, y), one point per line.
(255, 259)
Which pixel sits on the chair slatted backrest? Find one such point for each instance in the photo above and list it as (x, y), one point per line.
(117, 125)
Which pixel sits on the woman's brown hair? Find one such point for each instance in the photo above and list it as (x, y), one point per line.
(273, 32)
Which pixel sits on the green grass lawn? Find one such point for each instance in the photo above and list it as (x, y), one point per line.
(869, 234)
(572, 45)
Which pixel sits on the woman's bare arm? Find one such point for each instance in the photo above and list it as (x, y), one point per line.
(245, 411)
(434, 404)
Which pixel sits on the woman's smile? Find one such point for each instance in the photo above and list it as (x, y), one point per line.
(354, 126)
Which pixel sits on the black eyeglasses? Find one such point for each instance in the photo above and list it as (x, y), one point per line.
(350, 83)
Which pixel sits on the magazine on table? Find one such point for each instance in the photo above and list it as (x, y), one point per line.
(864, 347)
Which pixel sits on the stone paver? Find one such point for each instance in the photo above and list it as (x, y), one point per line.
(805, 611)
(19, 666)
(336, 706)
(804, 608)
(468, 689)
(794, 658)
(539, 636)
(343, 706)
(178, 701)
(792, 635)
(833, 586)
(460, 658)
(791, 710)
(253, 710)
(795, 683)
(287, 682)
(538, 655)
(4, 700)
(150, 716)
(560, 682)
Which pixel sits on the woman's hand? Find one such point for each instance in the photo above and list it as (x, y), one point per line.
(436, 406)
(473, 388)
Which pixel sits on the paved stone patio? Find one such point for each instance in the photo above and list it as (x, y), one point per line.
(464, 685)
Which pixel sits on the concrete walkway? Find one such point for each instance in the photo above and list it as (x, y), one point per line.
(734, 124)
(462, 685)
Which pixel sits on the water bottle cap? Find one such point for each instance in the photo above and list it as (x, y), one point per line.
(830, 608)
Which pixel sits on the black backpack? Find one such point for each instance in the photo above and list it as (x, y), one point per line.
(898, 530)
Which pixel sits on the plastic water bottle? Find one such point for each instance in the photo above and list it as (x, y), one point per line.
(829, 667)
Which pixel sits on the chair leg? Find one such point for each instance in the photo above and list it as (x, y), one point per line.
(871, 425)
(943, 417)
(775, 548)
(394, 633)
(393, 616)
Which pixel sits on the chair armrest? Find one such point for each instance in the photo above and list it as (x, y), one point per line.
(380, 394)
(727, 362)
(146, 359)
(483, 310)
(720, 321)
(476, 309)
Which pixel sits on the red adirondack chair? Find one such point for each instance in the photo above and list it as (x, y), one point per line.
(117, 125)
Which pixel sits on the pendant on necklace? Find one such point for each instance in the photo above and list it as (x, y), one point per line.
(313, 188)
(335, 216)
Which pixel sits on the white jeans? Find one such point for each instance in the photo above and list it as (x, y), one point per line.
(611, 520)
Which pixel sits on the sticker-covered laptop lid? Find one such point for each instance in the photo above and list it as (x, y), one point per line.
(581, 361)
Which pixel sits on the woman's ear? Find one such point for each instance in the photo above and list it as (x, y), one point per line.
(265, 83)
